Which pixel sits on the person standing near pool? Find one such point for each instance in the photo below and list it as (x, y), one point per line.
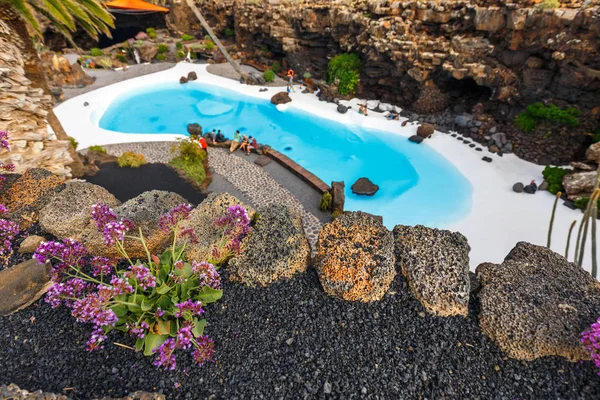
(290, 75)
(235, 143)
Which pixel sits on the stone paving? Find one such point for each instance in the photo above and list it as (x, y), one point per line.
(260, 188)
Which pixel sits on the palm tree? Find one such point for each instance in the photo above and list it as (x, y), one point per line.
(215, 39)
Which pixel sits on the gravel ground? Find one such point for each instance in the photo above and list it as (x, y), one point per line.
(289, 340)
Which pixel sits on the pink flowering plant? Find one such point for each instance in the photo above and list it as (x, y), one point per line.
(8, 231)
(234, 226)
(591, 340)
(160, 301)
(4, 144)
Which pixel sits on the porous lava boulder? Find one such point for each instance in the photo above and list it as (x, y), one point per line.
(435, 264)
(69, 212)
(192, 76)
(275, 248)
(98, 157)
(579, 184)
(355, 258)
(202, 220)
(338, 197)
(22, 285)
(415, 139)
(29, 194)
(593, 153)
(364, 187)
(194, 129)
(144, 211)
(536, 303)
(425, 130)
(183, 80)
(281, 98)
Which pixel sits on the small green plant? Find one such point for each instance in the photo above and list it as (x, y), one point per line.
(264, 48)
(326, 202)
(97, 148)
(538, 113)
(74, 142)
(121, 57)
(596, 136)
(96, 52)
(131, 160)
(276, 67)
(161, 57)
(229, 32)
(210, 45)
(151, 33)
(189, 159)
(583, 202)
(554, 176)
(180, 54)
(269, 75)
(179, 45)
(346, 69)
(548, 4)
(307, 75)
(163, 48)
(336, 214)
(187, 38)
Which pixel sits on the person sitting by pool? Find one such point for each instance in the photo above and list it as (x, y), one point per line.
(393, 115)
(253, 144)
(245, 145)
(211, 135)
(203, 144)
(362, 109)
(219, 137)
(235, 143)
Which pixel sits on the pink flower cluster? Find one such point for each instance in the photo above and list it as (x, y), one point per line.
(207, 274)
(203, 348)
(189, 306)
(4, 144)
(170, 220)
(66, 254)
(8, 230)
(591, 340)
(236, 225)
(107, 223)
(142, 274)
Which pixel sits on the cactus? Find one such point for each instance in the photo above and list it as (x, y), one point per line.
(591, 211)
(569, 239)
(552, 218)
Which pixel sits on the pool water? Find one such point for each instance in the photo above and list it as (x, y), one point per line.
(416, 184)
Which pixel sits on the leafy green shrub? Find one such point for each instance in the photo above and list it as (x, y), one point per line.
(229, 32)
(269, 75)
(596, 136)
(97, 148)
(96, 52)
(74, 142)
(179, 45)
(210, 45)
(189, 159)
(583, 202)
(336, 214)
(187, 38)
(554, 177)
(131, 160)
(151, 33)
(180, 54)
(276, 67)
(538, 113)
(548, 4)
(163, 48)
(346, 69)
(121, 57)
(326, 202)
(161, 57)
(193, 169)
(307, 75)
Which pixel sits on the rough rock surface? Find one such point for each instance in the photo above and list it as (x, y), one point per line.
(579, 184)
(12, 391)
(29, 194)
(593, 153)
(22, 285)
(275, 248)
(415, 139)
(201, 221)
(30, 244)
(425, 130)
(192, 76)
(338, 197)
(69, 212)
(364, 186)
(436, 265)
(194, 129)
(144, 211)
(536, 303)
(355, 258)
(280, 98)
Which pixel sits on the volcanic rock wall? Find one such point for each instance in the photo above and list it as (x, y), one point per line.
(23, 112)
(428, 54)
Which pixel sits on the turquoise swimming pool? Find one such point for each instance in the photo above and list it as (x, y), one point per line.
(417, 184)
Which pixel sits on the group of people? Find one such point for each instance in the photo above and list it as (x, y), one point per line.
(244, 142)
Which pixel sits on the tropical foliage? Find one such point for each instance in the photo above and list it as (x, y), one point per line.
(538, 113)
(345, 68)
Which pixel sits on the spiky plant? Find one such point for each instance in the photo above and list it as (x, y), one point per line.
(64, 15)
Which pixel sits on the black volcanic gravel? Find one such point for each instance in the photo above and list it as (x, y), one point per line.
(292, 341)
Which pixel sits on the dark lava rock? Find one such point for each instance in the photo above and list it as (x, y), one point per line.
(518, 187)
(478, 149)
(281, 98)
(192, 76)
(472, 145)
(355, 258)
(425, 130)
(531, 188)
(183, 79)
(416, 139)
(263, 90)
(342, 109)
(195, 129)
(536, 304)
(436, 265)
(570, 204)
(364, 187)
(276, 248)
(338, 197)
(487, 159)
(22, 285)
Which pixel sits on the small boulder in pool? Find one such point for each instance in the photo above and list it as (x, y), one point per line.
(280, 98)
(194, 129)
(364, 187)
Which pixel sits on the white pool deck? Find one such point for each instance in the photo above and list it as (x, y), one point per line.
(499, 217)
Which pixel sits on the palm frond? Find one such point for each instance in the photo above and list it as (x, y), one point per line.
(22, 8)
(55, 12)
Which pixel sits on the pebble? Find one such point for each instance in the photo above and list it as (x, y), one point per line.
(487, 159)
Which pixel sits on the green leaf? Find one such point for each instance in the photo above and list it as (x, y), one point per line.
(164, 327)
(166, 259)
(209, 295)
(119, 310)
(152, 341)
(145, 306)
(198, 329)
(187, 270)
(139, 344)
(164, 302)
(164, 289)
(134, 308)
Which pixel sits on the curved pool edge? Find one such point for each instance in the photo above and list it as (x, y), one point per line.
(498, 217)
